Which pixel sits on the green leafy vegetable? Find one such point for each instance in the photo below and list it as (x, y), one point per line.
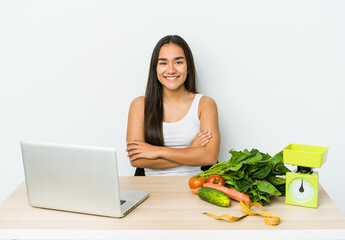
(262, 172)
(268, 188)
(253, 173)
(276, 180)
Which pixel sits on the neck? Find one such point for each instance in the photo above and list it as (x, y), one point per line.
(176, 95)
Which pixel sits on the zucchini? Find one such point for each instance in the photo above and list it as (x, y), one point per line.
(214, 196)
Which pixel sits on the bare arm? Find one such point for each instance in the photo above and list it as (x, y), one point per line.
(157, 163)
(135, 131)
(141, 153)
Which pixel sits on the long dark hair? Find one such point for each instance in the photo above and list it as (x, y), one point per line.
(153, 115)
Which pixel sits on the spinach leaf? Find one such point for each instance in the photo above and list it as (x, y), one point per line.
(237, 157)
(235, 167)
(268, 188)
(276, 159)
(265, 156)
(281, 188)
(265, 197)
(252, 160)
(254, 167)
(254, 151)
(276, 180)
(242, 185)
(280, 169)
(238, 174)
(254, 197)
(262, 172)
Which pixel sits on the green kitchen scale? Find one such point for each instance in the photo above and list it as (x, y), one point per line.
(302, 185)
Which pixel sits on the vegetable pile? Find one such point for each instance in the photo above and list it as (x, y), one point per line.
(253, 173)
(214, 190)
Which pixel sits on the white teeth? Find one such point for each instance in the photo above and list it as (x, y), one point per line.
(171, 78)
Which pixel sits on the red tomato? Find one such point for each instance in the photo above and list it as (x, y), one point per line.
(216, 179)
(196, 182)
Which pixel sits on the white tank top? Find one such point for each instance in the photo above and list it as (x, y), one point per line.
(180, 134)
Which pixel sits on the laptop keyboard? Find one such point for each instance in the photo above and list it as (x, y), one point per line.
(122, 201)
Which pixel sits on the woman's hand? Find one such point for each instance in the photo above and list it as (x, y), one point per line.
(201, 139)
(138, 149)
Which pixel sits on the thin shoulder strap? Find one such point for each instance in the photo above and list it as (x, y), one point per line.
(195, 105)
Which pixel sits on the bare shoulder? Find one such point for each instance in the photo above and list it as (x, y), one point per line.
(137, 108)
(138, 103)
(135, 124)
(207, 107)
(207, 103)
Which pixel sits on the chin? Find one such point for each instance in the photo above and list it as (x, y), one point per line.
(173, 86)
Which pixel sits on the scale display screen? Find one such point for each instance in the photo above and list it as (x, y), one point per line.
(301, 190)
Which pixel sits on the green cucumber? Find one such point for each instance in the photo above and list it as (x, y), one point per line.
(214, 196)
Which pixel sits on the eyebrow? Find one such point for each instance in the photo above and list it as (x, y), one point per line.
(165, 59)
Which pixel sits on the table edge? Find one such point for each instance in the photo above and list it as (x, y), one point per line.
(170, 234)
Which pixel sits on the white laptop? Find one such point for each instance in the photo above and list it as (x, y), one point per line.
(74, 178)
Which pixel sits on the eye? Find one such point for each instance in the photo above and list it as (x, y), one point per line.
(162, 63)
(179, 62)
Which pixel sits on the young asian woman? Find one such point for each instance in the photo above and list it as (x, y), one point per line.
(172, 130)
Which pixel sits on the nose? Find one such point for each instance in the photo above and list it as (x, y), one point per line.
(171, 68)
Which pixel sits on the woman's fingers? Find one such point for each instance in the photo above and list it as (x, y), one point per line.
(205, 136)
(133, 145)
(203, 143)
(138, 149)
(201, 139)
(134, 157)
(132, 152)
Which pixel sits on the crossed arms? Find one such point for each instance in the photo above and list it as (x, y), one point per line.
(203, 150)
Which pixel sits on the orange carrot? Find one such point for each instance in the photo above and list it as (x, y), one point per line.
(230, 192)
(195, 190)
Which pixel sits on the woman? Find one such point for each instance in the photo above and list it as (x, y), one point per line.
(172, 130)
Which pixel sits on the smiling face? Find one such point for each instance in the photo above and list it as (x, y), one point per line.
(172, 67)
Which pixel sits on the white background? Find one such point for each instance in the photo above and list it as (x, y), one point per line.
(69, 70)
